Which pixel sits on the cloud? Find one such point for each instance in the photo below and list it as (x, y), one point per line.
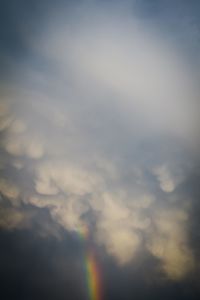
(169, 177)
(78, 137)
(9, 190)
(22, 145)
(11, 218)
(170, 243)
(55, 176)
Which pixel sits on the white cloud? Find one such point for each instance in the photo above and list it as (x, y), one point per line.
(78, 135)
(169, 177)
(170, 243)
(12, 218)
(24, 145)
(9, 190)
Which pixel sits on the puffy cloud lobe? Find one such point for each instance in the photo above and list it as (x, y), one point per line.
(53, 177)
(169, 243)
(20, 146)
(11, 218)
(108, 75)
(9, 189)
(168, 179)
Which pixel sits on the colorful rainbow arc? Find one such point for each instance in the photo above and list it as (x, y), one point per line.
(92, 271)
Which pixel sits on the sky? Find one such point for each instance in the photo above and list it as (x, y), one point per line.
(99, 149)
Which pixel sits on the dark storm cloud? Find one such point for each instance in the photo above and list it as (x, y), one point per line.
(40, 268)
(37, 268)
(99, 125)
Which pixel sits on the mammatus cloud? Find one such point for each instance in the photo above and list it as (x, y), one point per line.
(169, 242)
(11, 218)
(84, 139)
(9, 190)
(168, 178)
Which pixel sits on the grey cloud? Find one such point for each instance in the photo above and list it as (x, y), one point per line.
(76, 135)
(13, 217)
(169, 242)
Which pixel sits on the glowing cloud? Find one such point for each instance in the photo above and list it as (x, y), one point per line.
(84, 139)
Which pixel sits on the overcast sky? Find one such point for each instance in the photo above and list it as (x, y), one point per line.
(99, 128)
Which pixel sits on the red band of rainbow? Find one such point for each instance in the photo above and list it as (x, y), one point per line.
(92, 271)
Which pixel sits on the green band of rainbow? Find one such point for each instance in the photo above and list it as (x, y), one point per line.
(92, 272)
(93, 278)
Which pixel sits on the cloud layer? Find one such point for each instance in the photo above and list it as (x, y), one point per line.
(104, 135)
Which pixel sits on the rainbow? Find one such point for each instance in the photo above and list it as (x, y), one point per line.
(92, 271)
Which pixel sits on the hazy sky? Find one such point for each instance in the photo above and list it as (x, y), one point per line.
(99, 128)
